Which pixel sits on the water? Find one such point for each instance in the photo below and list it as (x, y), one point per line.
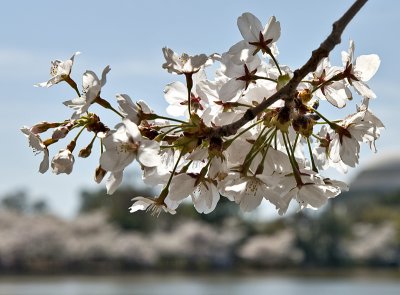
(199, 285)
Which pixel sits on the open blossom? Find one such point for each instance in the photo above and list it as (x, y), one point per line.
(176, 94)
(184, 63)
(321, 153)
(204, 195)
(130, 110)
(249, 191)
(123, 146)
(59, 71)
(345, 144)
(258, 37)
(36, 143)
(91, 86)
(360, 70)
(142, 203)
(313, 193)
(335, 92)
(63, 162)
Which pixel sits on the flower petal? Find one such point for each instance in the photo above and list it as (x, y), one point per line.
(249, 26)
(114, 181)
(366, 66)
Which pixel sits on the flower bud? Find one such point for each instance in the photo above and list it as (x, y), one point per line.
(282, 81)
(71, 146)
(43, 127)
(63, 162)
(282, 119)
(99, 174)
(85, 152)
(60, 132)
(303, 125)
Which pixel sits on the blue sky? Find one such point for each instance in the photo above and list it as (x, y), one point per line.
(129, 35)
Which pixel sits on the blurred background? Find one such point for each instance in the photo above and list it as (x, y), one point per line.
(64, 234)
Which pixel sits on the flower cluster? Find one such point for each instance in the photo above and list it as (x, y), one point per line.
(278, 155)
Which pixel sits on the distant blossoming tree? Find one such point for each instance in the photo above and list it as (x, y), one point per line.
(253, 132)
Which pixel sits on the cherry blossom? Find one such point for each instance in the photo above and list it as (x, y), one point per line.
(59, 71)
(36, 143)
(123, 146)
(184, 63)
(360, 70)
(253, 130)
(63, 162)
(91, 86)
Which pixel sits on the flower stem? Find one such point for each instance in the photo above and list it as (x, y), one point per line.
(168, 118)
(265, 78)
(72, 84)
(105, 104)
(314, 167)
(330, 123)
(229, 141)
(293, 162)
(275, 62)
(256, 148)
(260, 167)
(189, 85)
(165, 191)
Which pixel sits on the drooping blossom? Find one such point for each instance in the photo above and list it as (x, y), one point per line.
(63, 162)
(36, 143)
(123, 146)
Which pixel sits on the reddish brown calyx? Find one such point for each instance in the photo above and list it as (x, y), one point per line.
(248, 77)
(262, 45)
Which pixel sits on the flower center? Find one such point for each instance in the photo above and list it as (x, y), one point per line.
(54, 68)
(184, 58)
(252, 186)
(129, 147)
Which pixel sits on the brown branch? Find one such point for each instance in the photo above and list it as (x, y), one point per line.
(288, 91)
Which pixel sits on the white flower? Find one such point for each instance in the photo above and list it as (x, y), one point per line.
(59, 71)
(345, 144)
(123, 146)
(240, 82)
(248, 191)
(335, 92)
(313, 193)
(38, 146)
(152, 205)
(321, 153)
(374, 120)
(360, 70)
(91, 85)
(131, 110)
(176, 95)
(63, 162)
(60, 132)
(260, 38)
(204, 195)
(183, 64)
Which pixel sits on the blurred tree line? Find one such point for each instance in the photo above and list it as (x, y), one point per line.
(350, 231)
(319, 234)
